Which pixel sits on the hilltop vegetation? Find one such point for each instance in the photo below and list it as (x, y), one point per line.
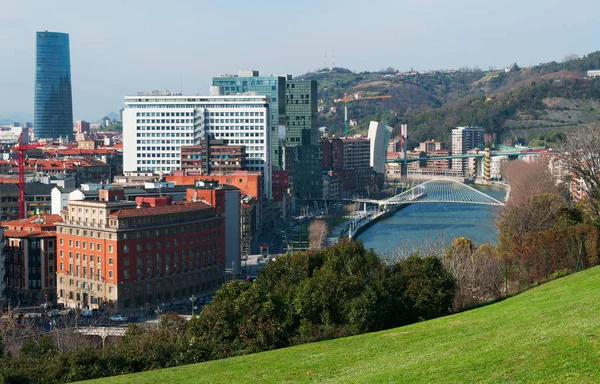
(513, 103)
(548, 334)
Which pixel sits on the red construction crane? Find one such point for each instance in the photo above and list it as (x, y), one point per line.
(20, 148)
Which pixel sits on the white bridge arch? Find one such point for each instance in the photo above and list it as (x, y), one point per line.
(440, 191)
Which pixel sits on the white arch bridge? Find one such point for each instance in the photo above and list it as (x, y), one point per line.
(438, 191)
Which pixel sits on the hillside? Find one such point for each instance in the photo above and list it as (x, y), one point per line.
(510, 103)
(547, 334)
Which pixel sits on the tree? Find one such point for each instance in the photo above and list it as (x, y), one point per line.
(428, 288)
(582, 150)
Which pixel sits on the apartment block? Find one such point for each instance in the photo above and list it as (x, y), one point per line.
(465, 139)
(126, 255)
(30, 259)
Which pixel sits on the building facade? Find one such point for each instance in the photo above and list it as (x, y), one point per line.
(156, 126)
(301, 101)
(213, 156)
(226, 200)
(81, 127)
(379, 136)
(30, 259)
(465, 139)
(430, 146)
(304, 166)
(53, 100)
(132, 255)
(271, 86)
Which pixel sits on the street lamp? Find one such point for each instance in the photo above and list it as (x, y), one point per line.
(193, 300)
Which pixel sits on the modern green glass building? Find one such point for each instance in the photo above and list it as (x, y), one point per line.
(301, 112)
(271, 86)
(53, 101)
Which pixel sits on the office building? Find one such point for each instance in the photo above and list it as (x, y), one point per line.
(30, 252)
(303, 163)
(301, 112)
(271, 86)
(348, 160)
(213, 156)
(465, 139)
(302, 152)
(53, 101)
(345, 153)
(129, 255)
(157, 125)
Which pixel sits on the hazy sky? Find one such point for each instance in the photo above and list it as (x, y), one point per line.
(120, 47)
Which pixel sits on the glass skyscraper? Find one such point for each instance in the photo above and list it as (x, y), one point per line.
(271, 86)
(53, 102)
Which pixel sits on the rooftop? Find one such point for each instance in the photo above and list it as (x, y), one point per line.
(162, 210)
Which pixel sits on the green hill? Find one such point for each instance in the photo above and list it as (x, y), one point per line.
(548, 334)
(513, 103)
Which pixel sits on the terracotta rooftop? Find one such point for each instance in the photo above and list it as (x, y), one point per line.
(34, 226)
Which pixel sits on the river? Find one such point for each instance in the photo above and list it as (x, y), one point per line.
(415, 226)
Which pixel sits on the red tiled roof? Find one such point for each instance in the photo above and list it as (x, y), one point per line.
(30, 227)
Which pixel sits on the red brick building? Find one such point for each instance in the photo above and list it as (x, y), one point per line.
(281, 183)
(134, 255)
(30, 251)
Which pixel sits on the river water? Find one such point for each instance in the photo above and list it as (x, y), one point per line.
(419, 225)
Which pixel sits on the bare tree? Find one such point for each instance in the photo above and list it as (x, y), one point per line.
(582, 151)
(535, 203)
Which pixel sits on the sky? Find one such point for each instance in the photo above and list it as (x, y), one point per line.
(121, 47)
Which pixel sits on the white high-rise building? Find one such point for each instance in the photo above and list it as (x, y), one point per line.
(156, 125)
(463, 140)
(379, 136)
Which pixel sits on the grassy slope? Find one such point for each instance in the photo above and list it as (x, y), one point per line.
(548, 334)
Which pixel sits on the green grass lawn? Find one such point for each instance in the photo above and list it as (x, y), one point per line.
(548, 334)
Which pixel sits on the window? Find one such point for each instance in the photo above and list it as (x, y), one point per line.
(126, 261)
(61, 241)
(92, 246)
(110, 261)
(125, 248)
(110, 289)
(110, 249)
(110, 274)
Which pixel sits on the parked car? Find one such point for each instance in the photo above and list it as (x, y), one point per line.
(52, 313)
(119, 318)
(87, 313)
